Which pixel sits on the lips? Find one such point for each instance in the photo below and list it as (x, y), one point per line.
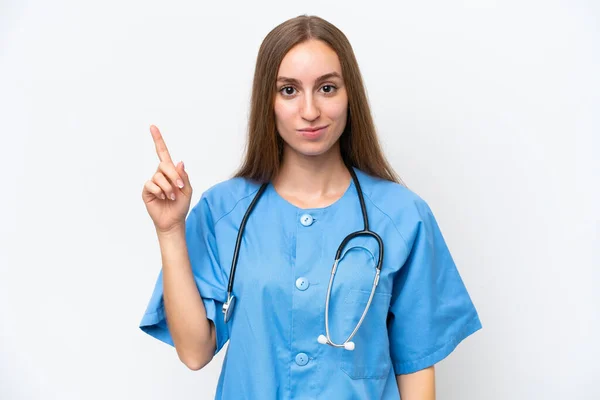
(318, 128)
(313, 133)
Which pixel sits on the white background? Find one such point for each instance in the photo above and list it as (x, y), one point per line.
(488, 110)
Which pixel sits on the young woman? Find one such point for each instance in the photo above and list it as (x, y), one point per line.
(269, 259)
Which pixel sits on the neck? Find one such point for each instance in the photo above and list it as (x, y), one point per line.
(312, 181)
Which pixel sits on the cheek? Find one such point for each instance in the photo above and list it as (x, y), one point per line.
(338, 113)
(284, 112)
(337, 110)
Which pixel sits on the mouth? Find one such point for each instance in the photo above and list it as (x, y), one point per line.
(310, 130)
(313, 133)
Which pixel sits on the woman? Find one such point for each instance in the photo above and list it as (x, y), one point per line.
(311, 159)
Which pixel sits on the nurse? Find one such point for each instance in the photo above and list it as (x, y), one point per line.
(312, 155)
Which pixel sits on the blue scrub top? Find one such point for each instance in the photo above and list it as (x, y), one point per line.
(421, 310)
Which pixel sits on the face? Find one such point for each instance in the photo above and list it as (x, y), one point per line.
(311, 103)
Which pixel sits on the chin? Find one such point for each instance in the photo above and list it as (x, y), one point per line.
(312, 149)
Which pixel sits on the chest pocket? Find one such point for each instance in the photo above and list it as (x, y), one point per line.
(371, 357)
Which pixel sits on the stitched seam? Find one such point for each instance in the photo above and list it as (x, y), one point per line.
(391, 220)
(234, 206)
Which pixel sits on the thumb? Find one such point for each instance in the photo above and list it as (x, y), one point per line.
(180, 167)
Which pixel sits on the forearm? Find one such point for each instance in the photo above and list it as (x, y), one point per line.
(192, 333)
(419, 385)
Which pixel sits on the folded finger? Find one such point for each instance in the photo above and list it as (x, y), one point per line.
(160, 180)
(153, 188)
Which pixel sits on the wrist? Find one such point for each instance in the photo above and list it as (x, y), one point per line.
(176, 231)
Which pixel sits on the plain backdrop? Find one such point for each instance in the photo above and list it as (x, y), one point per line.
(489, 110)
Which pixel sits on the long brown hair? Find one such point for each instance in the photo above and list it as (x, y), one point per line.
(359, 145)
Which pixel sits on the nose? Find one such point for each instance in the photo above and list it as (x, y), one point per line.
(310, 109)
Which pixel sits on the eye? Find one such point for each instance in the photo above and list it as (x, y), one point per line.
(331, 89)
(287, 91)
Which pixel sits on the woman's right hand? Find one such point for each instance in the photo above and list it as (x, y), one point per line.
(168, 193)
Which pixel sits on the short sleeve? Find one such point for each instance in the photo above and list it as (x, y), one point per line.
(431, 311)
(209, 277)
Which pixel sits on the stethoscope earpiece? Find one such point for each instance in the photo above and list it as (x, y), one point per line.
(348, 345)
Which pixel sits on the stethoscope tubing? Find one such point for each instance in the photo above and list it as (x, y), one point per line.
(229, 305)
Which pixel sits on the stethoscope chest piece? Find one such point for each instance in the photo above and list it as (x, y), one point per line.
(228, 308)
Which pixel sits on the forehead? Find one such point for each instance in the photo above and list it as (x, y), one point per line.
(309, 60)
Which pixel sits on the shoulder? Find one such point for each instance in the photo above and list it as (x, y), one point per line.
(402, 206)
(389, 197)
(222, 197)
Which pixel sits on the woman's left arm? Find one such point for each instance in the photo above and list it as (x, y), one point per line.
(419, 385)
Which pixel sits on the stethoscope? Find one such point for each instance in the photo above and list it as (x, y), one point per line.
(323, 339)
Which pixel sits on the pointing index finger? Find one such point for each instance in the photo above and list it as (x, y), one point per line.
(161, 147)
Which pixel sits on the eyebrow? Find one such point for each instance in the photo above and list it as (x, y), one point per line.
(319, 79)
